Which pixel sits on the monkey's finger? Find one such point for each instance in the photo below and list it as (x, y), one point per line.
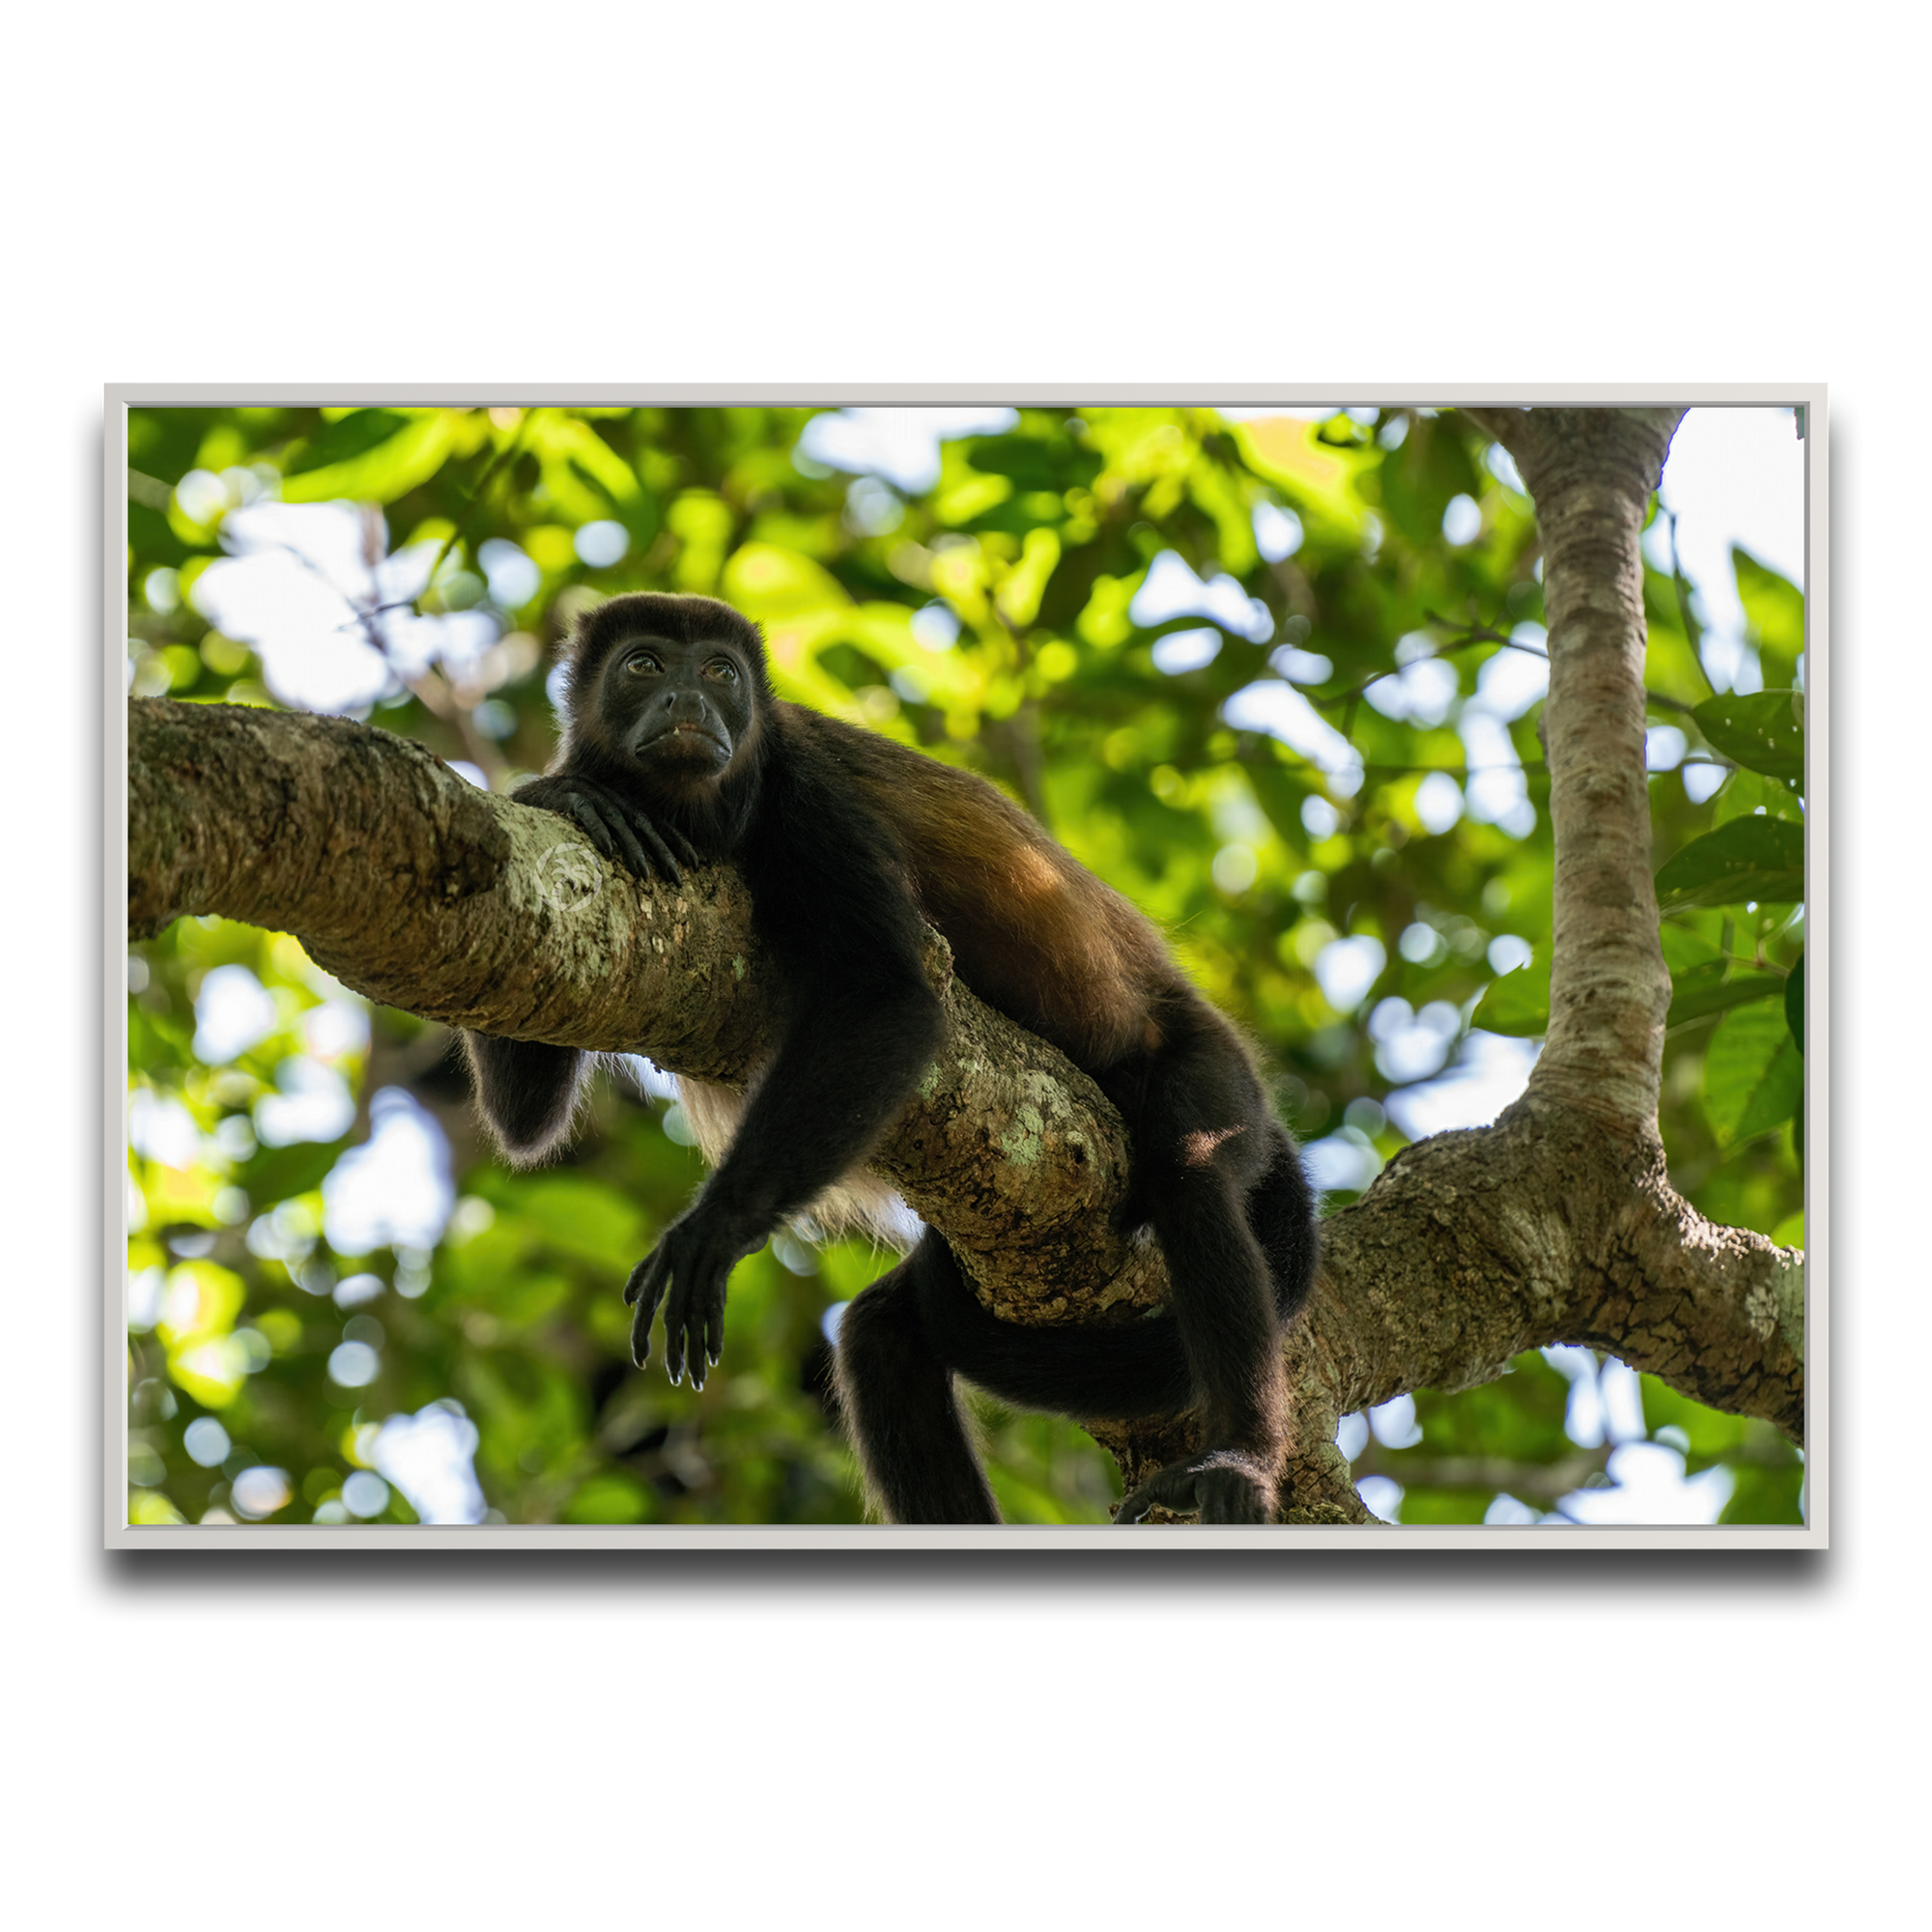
(641, 1333)
(612, 833)
(660, 851)
(648, 1273)
(675, 1352)
(635, 859)
(645, 1290)
(685, 851)
(714, 1329)
(591, 819)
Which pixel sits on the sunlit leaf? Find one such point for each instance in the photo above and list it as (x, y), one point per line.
(767, 582)
(608, 1497)
(1025, 583)
(409, 455)
(1289, 453)
(1773, 617)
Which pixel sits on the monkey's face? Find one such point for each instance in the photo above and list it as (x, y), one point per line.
(678, 709)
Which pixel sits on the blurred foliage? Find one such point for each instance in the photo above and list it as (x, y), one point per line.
(997, 619)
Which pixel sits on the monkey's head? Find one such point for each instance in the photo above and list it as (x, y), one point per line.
(668, 690)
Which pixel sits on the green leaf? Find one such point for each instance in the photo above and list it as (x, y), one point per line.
(1761, 859)
(1684, 948)
(610, 1496)
(1420, 476)
(1794, 1003)
(1753, 1076)
(275, 1174)
(1516, 1003)
(351, 436)
(1773, 615)
(584, 1220)
(1751, 795)
(1712, 1435)
(403, 459)
(1763, 731)
(1766, 1495)
(1035, 461)
(1704, 990)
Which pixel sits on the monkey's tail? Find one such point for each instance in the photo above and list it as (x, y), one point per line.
(527, 1093)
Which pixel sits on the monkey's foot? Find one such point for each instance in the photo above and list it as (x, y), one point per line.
(1218, 1486)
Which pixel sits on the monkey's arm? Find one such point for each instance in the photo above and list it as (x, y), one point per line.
(525, 1091)
(863, 1026)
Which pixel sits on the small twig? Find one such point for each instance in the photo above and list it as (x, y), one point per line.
(474, 500)
(1475, 634)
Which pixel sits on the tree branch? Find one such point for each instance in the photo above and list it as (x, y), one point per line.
(1591, 473)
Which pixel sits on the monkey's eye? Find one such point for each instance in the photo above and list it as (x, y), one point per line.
(723, 669)
(640, 663)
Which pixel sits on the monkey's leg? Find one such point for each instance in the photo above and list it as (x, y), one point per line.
(1203, 1144)
(1280, 1210)
(1223, 1301)
(900, 1407)
(525, 1091)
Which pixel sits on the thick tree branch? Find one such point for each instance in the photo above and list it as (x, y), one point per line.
(1591, 472)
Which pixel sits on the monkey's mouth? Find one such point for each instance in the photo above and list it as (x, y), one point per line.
(684, 739)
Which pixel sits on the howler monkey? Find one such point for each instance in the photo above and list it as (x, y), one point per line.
(675, 752)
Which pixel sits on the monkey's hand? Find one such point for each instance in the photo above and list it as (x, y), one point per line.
(619, 826)
(1218, 1485)
(687, 1272)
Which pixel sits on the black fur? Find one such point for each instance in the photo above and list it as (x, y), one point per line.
(676, 751)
